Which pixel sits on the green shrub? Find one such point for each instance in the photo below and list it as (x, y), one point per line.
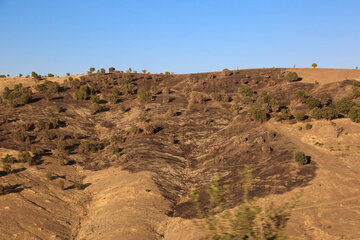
(291, 76)
(355, 92)
(78, 184)
(356, 84)
(312, 103)
(6, 93)
(246, 91)
(102, 70)
(301, 95)
(117, 139)
(83, 93)
(115, 150)
(26, 97)
(61, 184)
(329, 113)
(49, 176)
(301, 158)
(19, 136)
(299, 115)
(308, 126)
(258, 113)
(8, 159)
(97, 108)
(50, 75)
(344, 105)
(236, 108)
(354, 114)
(25, 157)
(111, 69)
(314, 65)
(93, 146)
(220, 96)
(95, 99)
(286, 114)
(7, 168)
(129, 88)
(151, 128)
(92, 69)
(2, 189)
(227, 72)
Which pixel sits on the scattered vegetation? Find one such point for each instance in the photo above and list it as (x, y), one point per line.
(301, 158)
(291, 77)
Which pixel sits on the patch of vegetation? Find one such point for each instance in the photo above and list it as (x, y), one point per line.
(308, 126)
(93, 146)
(301, 95)
(19, 136)
(301, 158)
(7, 168)
(286, 114)
(258, 113)
(291, 76)
(227, 72)
(327, 113)
(312, 103)
(247, 221)
(49, 176)
(354, 114)
(115, 150)
(61, 184)
(246, 91)
(236, 108)
(84, 92)
(220, 96)
(78, 184)
(299, 115)
(97, 108)
(8, 159)
(197, 97)
(48, 88)
(344, 105)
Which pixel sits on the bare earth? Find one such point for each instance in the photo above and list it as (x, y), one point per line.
(145, 192)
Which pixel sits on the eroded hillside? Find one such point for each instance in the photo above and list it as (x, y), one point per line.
(117, 155)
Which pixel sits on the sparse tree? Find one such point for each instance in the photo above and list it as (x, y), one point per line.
(111, 69)
(92, 69)
(314, 65)
(144, 71)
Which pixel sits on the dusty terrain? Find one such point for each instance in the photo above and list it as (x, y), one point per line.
(170, 145)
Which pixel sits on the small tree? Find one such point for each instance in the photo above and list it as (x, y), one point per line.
(299, 115)
(354, 114)
(314, 65)
(144, 71)
(102, 70)
(111, 69)
(92, 69)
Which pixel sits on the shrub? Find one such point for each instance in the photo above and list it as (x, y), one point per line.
(236, 108)
(344, 105)
(111, 69)
(49, 176)
(151, 128)
(299, 115)
(7, 168)
(78, 184)
(356, 84)
(117, 139)
(112, 98)
(25, 157)
(19, 136)
(227, 72)
(258, 113)
(291, 76)
(83, 92)
(26, 97)
(115, 150)
(8, 159)
(270, 102)
(143, 96)
(50, 75)
(61, 184)
(2, 189)
(129, 88)
(246, 91)
(301, 95)
(135, 130)
(102, 70)
(325, 99)
(6, 93)
(197, 97)
(92, 69)
(354, 114)
(312, 103)
(286, 114)
(308, 126)
(62, 147)
(93, 146)
(314, 65)
(355, 92)
(97, 108)
(329, 113)
(301, 158)
(220, 96)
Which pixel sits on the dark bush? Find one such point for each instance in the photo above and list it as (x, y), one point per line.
(7, 168)
(111, 69)
(220, 96)
(308, 126)
(50, 75)
(286, 114)
(97, 108)
(8, 159)
(301, 95)
(227, 72)
(92, 69)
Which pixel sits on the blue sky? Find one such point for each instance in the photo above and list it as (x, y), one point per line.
(60, 36)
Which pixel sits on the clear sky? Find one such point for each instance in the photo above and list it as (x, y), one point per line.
(181, 36)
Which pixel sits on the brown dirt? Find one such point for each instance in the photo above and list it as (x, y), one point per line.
(145, 192)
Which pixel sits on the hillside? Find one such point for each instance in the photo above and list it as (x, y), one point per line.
(117, 155)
